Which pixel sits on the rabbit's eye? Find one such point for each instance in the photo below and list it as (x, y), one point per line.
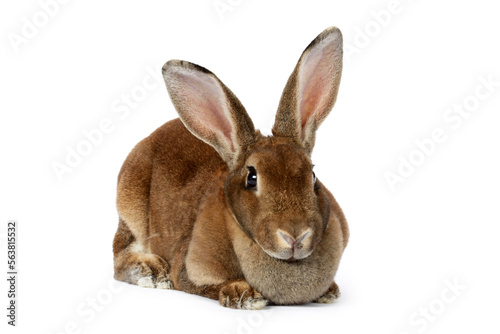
(251, 178)
(314, 178)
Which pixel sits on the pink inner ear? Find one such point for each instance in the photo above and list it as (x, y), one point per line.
(207, 105)
(315, 82)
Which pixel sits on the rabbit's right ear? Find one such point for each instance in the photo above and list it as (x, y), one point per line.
(209, 109)
(311, 90)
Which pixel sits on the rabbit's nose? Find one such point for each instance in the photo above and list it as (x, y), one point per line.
(292, 242)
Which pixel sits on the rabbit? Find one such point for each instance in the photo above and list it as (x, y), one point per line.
(210, 206)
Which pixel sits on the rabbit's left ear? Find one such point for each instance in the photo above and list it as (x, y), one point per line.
(209, 110)
(311, 90)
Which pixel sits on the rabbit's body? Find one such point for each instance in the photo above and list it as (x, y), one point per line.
(195, 217)
(189, 224)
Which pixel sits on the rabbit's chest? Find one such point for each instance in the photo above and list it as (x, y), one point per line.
(285, 282)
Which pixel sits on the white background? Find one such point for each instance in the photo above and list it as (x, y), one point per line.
(440, 225)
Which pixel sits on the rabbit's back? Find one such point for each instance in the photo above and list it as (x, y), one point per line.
(161, 184)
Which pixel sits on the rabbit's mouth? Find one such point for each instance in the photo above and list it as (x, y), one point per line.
(288, 254)
(291, 248)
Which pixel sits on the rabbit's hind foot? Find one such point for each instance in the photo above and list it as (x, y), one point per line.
(143, 269)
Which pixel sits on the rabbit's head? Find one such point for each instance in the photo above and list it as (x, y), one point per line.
(271, 189)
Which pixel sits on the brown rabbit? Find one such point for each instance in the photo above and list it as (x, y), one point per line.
(212, 207)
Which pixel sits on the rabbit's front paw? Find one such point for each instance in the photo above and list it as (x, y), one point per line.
(330, 295)
(240, 295)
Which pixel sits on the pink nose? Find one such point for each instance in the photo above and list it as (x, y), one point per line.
(294, 243)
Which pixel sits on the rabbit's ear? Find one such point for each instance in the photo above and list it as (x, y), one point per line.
(209, 109)
(311, 90)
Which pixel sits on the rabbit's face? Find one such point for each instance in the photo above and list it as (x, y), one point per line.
(277, 200)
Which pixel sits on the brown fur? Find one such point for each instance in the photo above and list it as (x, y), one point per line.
(188, 220)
